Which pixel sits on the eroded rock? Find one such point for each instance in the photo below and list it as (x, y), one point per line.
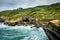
(10, 23)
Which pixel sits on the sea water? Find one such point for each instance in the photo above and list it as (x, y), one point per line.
(21, 33)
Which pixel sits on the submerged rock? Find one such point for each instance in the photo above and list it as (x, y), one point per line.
(36, 26)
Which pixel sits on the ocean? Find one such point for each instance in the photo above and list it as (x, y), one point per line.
(21, 33)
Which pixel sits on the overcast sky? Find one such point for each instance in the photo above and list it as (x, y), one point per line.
(13, 4)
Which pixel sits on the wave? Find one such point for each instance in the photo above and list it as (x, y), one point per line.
(21, 33)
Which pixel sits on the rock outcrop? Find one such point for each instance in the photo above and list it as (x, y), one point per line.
(2, 19)
(53, 29)
(56, 22)
(22, 21)
(10, 23)
(27, 21)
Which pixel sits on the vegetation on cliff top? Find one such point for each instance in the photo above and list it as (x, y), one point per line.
(40, 12)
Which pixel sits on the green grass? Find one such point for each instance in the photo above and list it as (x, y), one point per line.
(40, 12)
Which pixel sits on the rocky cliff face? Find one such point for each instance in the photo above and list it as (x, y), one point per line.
(53, 29)
(20, 21)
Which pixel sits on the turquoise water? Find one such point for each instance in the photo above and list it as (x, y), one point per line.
(21, 33)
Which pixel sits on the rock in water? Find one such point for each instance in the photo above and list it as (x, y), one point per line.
(22, 33)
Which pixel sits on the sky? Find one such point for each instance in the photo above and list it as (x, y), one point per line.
(14, 4)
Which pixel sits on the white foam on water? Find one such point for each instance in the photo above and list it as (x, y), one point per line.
(37, 34)
(33, 33)
(2, 25)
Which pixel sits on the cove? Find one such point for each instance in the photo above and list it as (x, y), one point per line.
(21, 33)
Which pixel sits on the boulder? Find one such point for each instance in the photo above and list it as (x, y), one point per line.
(3, 18)
(26, 21)
(10, 23)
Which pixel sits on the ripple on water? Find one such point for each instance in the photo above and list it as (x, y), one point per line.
(22, 33)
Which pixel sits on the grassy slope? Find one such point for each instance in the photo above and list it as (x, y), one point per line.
(40, 12)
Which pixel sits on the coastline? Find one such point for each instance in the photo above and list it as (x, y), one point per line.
(49, 27)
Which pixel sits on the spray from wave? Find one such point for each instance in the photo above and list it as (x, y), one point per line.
(21, 33)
